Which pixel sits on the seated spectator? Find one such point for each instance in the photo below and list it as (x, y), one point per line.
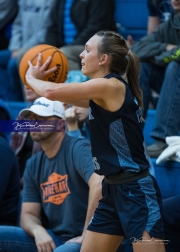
(21, 142)
(160, 71)
(58, 181)
(74, 22)
(159, 11)
(28, 30)
(23, 145)
(78, 122)
(9, 178)
(8, 11)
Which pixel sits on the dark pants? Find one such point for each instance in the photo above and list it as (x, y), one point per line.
(14, 239)
(171, 217)
(166, 82)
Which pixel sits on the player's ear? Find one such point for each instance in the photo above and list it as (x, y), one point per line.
(103, 59)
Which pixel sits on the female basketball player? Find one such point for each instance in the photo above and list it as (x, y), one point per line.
(131, 203)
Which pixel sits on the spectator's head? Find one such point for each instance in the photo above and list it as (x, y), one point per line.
(30, 94)
(176, 5)
(44, 109)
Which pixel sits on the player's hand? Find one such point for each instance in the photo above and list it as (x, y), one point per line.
(40, 71)
(43, 240)
(78, 240)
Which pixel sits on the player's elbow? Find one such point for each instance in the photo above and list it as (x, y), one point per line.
(95, 183)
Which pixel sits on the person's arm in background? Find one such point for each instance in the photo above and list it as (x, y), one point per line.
(72, 123)
(71, 119)
(31, 223)
(155, 46)
(172, 53)
(153, 19)
(31, 212)
(152, 22)
(151, 45)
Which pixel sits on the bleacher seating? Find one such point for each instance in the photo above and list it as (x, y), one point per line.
(131, 17)
(149, 124)
(167, 173)
(76, 76)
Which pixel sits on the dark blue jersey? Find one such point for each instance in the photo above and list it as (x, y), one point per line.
(116, 137)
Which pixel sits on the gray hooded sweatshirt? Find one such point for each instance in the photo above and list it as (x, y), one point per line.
(153, 46)
(29, 28)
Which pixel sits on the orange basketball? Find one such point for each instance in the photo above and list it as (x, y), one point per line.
(58, 59)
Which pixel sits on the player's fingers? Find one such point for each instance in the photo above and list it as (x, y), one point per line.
(52, 70)
(46, 63)
(29, 63)
(38, 63)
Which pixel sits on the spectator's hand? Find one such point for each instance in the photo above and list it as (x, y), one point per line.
(43, 240)
(78, 240)
(40, 71)
(129, 41)
(170, 47)
(71, 119)
(14, 53)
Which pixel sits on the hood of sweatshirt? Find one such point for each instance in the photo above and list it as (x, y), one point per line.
(175, 20)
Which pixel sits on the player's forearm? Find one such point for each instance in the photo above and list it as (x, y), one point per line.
(30, 223)
(39, 86)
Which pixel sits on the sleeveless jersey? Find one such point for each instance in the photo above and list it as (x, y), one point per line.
(116, 137)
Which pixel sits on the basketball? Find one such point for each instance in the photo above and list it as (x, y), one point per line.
(58, 59)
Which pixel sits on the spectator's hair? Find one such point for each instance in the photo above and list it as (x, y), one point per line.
(123, 61)
(155, 2)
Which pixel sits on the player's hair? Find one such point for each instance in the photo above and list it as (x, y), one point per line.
(123, 61)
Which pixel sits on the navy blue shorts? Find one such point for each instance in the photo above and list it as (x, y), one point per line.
(129, 209)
